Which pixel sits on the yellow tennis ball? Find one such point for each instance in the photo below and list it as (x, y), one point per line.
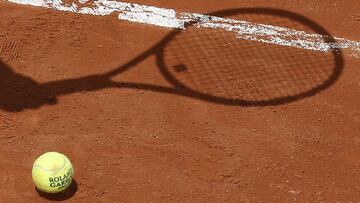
(52, 172)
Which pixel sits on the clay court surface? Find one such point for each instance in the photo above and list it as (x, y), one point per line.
(140, 142)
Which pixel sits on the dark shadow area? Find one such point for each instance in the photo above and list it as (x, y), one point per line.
(65, 195)
(19, 92)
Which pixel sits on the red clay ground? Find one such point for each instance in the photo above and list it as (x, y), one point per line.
(131, 145)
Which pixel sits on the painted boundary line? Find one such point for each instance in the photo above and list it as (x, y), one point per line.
(171, 19)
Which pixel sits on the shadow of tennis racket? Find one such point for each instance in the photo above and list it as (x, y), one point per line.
(215, 65)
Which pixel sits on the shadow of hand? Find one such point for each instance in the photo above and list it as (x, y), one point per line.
(18, 92)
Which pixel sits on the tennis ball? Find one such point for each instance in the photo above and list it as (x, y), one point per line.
(52, 172)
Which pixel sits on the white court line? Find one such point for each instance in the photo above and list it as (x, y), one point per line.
(171, 19)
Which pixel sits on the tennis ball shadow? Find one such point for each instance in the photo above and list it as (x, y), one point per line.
(65, 195)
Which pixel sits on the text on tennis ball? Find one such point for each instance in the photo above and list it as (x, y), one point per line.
(61, 181)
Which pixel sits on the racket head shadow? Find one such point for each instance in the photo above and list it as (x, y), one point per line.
(216, 66)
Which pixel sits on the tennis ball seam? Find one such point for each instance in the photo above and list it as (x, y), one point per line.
(52, 170)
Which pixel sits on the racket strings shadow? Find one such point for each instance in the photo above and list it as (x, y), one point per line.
(266, 74)
(251, 86)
